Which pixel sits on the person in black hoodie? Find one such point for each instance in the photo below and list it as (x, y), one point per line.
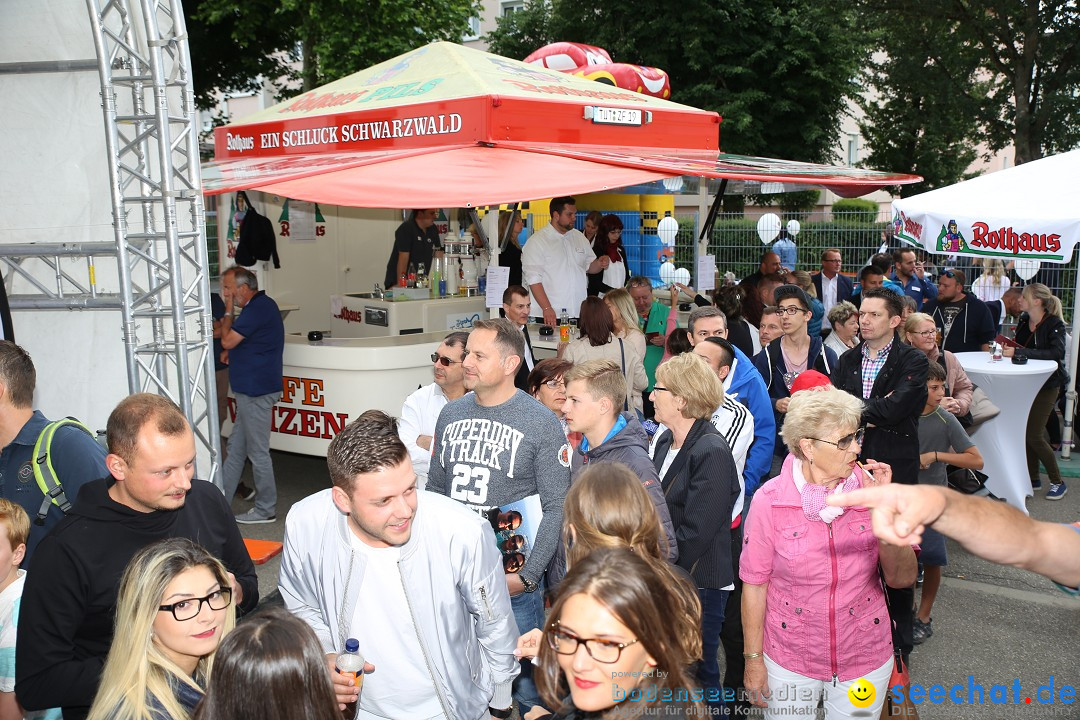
(595, 391)
(1040, 331)
(791, 354)
(69, 601)
(890, 378)
(701, 483)
(963, 319)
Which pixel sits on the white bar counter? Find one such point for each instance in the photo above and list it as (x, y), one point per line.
(328, 385)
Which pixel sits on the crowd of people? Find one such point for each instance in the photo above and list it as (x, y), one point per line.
(578, 536)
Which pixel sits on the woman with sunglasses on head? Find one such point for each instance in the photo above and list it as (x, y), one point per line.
(921, 333)
(1040, 332)
(609, 649)
(174, 607)
(813, 607)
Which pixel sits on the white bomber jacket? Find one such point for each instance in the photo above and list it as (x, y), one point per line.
(453, 577)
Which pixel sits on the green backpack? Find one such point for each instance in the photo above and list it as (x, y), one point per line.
(45, 475)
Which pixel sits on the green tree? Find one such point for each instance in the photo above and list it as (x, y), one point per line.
(518, 33)
(234, 47)
(1029, 64)
(779, 72)
(331, 38)
(914, 120)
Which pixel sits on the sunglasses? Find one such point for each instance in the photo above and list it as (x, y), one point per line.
(845, 442)
(443, 360)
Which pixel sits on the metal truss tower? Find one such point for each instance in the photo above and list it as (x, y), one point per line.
(151, 137)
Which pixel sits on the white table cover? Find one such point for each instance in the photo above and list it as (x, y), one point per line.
(1001, 440)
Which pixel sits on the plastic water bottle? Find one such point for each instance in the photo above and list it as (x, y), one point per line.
(421, 276)
(564, 327)
(351, 663)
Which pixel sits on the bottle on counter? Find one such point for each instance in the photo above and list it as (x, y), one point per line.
(421, 276)
(564, 326)
(452, 277)
(403, 281)
(412, 275)
(436, 276)
(351, 663)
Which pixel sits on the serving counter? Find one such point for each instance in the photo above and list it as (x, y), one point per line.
(327, 385)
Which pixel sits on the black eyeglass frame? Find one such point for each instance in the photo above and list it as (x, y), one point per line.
(225, 593)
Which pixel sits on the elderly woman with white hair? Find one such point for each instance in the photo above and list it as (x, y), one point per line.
(814, 608)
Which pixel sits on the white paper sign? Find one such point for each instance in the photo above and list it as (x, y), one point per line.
(706, 273)
(498, 279)
(301, 221)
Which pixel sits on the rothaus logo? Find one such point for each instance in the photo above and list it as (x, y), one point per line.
(239, 143)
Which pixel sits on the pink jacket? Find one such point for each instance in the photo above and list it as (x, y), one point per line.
(825, 612)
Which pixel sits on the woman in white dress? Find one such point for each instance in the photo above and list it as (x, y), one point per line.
(993, 282)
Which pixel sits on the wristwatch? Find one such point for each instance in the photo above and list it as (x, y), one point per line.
(529, 585)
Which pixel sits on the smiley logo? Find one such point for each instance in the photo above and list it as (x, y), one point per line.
(861, 693)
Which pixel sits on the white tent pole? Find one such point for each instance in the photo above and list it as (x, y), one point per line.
(1070, 387)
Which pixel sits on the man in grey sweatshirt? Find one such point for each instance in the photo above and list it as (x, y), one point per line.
(497, 445)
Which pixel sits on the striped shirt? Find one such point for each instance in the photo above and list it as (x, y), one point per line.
(736, 424)
(872, 366)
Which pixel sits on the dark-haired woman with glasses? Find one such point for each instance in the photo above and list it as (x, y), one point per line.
(813, 608)
(609, 649)
(174, 606)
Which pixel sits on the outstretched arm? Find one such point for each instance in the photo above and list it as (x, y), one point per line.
(992, 530)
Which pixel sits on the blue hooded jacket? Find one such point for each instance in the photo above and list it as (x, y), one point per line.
(748, 387)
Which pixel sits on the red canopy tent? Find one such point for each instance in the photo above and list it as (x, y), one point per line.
(449, 126)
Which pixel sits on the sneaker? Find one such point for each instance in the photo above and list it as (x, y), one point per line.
(919, 579)
(1037, 485)
(1056, 491)
(920, 630)
(250, 518)
(244, 492)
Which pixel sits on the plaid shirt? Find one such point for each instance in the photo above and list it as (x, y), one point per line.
(871, 367)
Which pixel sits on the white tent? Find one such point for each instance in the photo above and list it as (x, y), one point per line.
(1028, 212)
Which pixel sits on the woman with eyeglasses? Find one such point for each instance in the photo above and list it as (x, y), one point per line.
(173, 609)
(701, 484)
(546, 385)
(814, 610)
(609, 649)
(921, 333)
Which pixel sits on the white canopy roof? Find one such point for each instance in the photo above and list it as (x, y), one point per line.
(1028, 211)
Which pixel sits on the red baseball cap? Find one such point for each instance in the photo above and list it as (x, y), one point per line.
(809, 380)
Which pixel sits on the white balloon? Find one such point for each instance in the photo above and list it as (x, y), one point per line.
(768, 227)
(1027, 269)
(667, 273)
(682, 275)
(793, 228)
(668, 229)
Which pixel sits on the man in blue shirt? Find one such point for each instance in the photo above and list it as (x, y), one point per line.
(75, 455)
(255, 342)
(912, 275)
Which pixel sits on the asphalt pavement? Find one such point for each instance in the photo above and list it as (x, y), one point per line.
(993, 625)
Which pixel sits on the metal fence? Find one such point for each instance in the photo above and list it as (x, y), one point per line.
(738, 249)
